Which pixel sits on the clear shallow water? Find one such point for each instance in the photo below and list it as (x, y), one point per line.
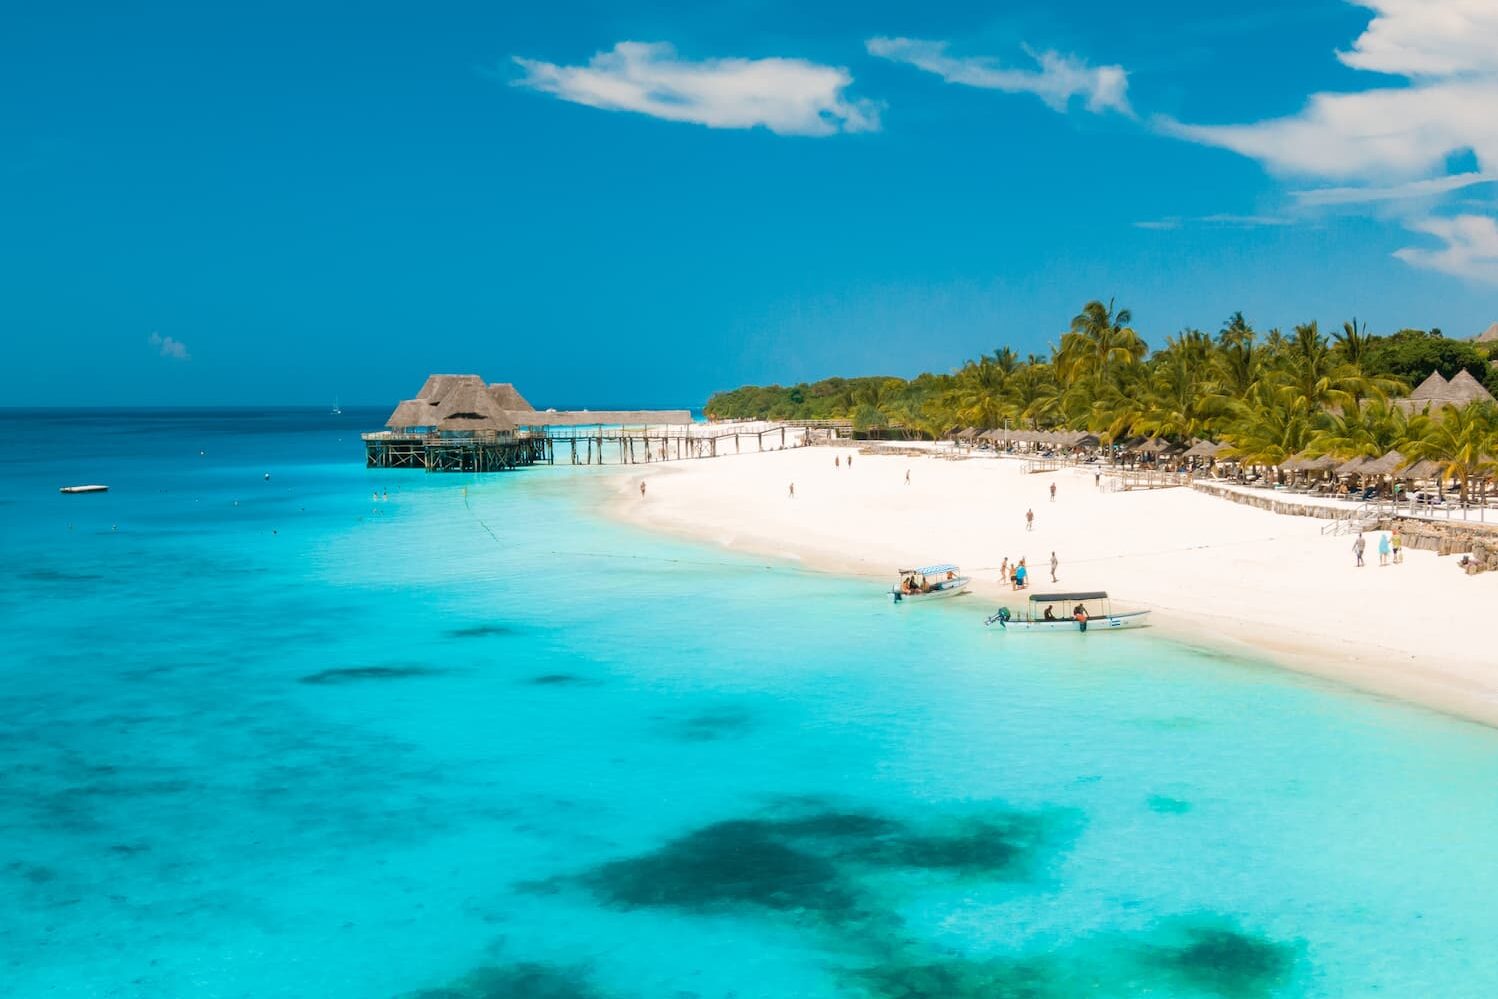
(273, 738)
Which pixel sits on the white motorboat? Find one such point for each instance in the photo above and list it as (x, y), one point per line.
(1085, 611)
(932, 582)
(84, 489)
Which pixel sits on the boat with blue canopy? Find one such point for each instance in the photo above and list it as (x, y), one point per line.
(931, 582)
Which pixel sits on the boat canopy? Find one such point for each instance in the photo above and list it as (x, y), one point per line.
(1056, 598)
(930, 570)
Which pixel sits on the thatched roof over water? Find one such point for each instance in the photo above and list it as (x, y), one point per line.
(507, 397)
(465, 403)
(602, 417)
(468, 406)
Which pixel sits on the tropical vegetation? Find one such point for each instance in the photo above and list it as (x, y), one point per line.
(1266, 396)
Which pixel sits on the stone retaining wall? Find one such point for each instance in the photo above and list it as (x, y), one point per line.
(1443, 538)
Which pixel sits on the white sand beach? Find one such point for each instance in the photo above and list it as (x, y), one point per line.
(1215, 573)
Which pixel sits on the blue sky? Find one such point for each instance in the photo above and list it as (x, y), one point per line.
(641, 203)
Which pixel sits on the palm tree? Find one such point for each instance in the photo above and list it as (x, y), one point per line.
(1464, 440)
(1353, 342)
(1100, 339)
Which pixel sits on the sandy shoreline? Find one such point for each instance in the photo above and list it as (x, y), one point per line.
(1216, 574)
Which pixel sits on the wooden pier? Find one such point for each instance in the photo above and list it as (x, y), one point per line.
(435, 452)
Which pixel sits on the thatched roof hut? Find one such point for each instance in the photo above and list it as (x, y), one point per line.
(1464, 389)
(1489, 335)
(1431, 390)
(507, 397)
(468, 406)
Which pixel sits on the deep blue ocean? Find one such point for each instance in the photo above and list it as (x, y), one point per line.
(286, 737)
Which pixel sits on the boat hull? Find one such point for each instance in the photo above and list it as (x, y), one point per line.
(1113, 622)
(955, 588)
(83, 489)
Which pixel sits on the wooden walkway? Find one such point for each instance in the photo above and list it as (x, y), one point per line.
(570, 445)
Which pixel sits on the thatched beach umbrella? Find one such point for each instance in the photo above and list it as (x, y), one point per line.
(1386, 465)
(1352, 466)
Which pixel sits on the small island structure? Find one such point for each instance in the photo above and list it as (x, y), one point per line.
(457, 423)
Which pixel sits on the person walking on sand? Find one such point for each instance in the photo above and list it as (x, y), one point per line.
(1004, 569)
(1055, 564)
(1053, 492)
(791, 492)
(1383, 549)
(642, 489)
(1398, 542)
(850, 461)
(907, 476)
(1097, 480)
(837, 461)
(1030, 520)
(1021, 576)
(1358, 547)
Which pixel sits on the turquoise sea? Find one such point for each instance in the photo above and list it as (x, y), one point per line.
(276, 738)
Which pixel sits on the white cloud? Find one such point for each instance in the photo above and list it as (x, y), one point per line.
(1471, 249)
(1409, 191)
(1219, 219)
(1391, 144)
(1058, 79)
(786, 96)
(169, 347)
(1428, 38)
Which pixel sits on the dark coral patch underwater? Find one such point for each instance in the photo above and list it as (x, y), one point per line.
(483, 631)
(356, 674)
(526, 980)
(1203, 958)
(818, 862)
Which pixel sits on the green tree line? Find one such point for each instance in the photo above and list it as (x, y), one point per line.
(1266, 395)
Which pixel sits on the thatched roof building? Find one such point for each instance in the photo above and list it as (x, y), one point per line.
(464, 404)
(1436, 392)
(1489, 335)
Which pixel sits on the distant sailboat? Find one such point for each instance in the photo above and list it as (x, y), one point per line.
(337, 409)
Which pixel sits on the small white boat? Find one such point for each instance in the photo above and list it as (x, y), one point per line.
(84, 489)
(1089, 611)
(932, 582)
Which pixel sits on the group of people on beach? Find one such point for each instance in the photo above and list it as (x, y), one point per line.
(1390, 548)
(1018, 573)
